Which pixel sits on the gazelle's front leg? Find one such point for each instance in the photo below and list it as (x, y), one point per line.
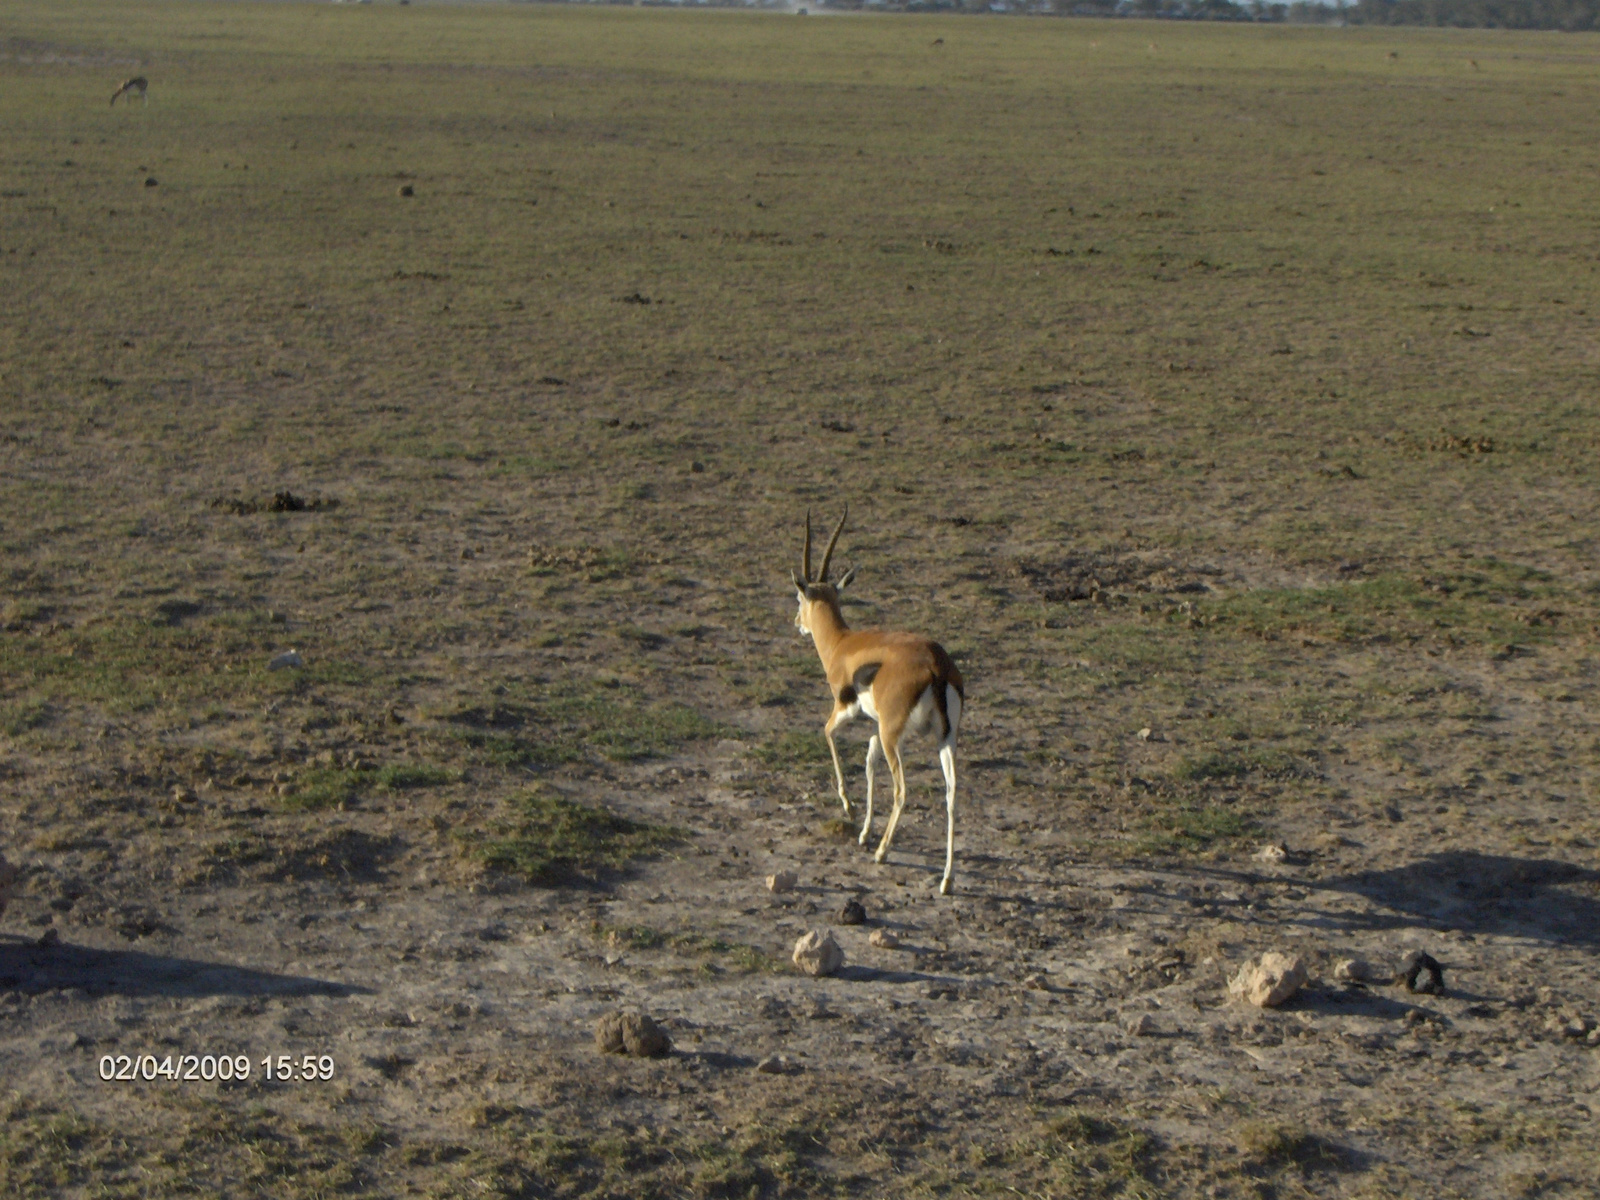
(838, 771)
(866, 826)
(891, 752)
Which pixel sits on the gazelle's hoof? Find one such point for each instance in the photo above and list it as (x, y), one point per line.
(880, 855)
(862, 840)
(946, 886)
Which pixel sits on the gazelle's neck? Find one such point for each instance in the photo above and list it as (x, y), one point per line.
(827, 627)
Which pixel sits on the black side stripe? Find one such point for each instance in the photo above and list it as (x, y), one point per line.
(864, 675)
(940, 698)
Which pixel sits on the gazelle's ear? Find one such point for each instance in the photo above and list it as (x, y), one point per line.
(845, 579)
(798, 586)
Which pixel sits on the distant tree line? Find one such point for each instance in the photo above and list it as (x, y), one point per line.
(1571, 15)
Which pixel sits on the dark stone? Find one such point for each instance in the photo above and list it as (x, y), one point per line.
(1423, 974)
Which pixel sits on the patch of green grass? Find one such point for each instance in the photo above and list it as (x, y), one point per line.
(1187, 829)
(739, 956)
(562, 724)
(180, 1148)
(328, 787)
(1276, 1145)
(1088, 1155)
(1236, 764)
(791, 748)
(19, 717)
(551, 840)
(1488, 602)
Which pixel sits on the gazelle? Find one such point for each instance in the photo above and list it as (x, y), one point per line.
(903, 681)
(137, 84)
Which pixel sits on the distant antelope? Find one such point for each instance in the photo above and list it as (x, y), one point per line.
(137, 84)
(903, 681)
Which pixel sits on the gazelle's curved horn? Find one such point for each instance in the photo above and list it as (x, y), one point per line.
(805, 555)
(844, 580)
(827, 556)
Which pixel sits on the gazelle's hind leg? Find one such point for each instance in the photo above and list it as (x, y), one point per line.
(947, 760)
(866, 827)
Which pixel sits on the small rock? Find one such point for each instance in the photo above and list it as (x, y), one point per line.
(816, 953)
(775, 1064)
(286, 660)
(1269, 982)
(697, 467)
(1594, 1037)
(783, 881)
(852, 913)
(49, 937)
(1145, 733)
(1036, 983)
(1576, 1027)
(184, 795)
(1272, 852)
(885, 939)
(1142, 1026)
(631, 1033)
(1423, 974)
(406, 189)
(1359, 970)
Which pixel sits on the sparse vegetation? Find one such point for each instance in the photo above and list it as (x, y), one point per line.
(548, 839)
(1221, 383)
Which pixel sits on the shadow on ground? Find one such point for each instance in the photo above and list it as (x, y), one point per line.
(1482, 893)
(29, 968)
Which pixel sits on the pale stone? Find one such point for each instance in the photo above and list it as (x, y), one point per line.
(1272, 852)
(1269, 982)
(884, 939)
(1142, 1026)
(783, 881)
(816, 953)
(1359, 970)
(288, 659)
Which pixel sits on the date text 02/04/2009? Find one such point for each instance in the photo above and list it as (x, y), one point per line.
(206, 1068)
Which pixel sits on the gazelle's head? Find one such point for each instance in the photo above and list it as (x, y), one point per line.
(812, 593)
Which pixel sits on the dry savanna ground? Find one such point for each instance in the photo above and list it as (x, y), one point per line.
(1234, 384)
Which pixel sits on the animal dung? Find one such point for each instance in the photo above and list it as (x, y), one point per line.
(781, 882)
(405, 189)
(631, 1033)
(1269, 981)
(816, 953)
(1423, 974)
